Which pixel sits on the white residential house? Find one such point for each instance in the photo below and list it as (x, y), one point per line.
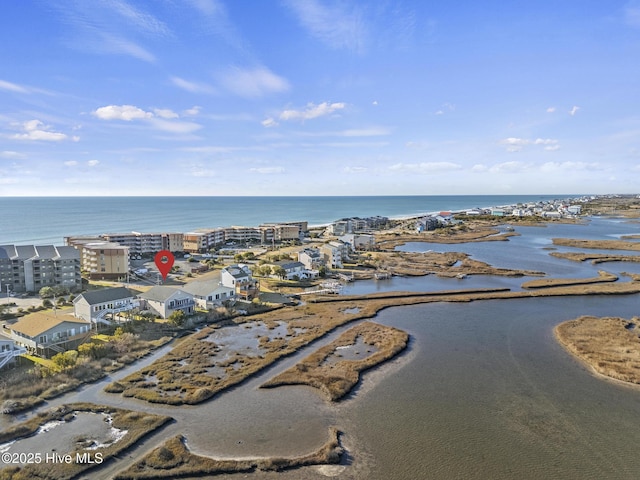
(165, 300)
(359, 241)
(9, 351)
(104, 305)
(209, 294)
(311, 258)
(240, 278)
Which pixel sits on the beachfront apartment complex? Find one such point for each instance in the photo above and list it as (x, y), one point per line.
(137, 242)
(28, 268)
(101, 260)
(197, 241)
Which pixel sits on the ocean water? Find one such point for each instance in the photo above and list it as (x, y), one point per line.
(47, 220)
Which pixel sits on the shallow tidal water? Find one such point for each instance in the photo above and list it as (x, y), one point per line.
(490, 394)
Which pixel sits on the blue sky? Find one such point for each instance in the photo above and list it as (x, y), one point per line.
(319, 97)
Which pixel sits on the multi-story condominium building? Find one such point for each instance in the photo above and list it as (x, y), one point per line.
(28, 268)
(195, 242)
(103, 260)
(138, 243)
(243, 234)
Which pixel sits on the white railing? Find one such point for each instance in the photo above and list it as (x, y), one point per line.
(8, 355)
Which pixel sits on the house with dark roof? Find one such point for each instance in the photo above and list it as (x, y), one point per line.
(293, 270)
(209, 294)
(47, 333)
(164, 300)
(104, 305)
(240, 278)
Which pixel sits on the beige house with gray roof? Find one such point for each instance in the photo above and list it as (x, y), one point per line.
(46, 333)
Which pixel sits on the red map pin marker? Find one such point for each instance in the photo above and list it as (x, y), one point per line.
(164, 261)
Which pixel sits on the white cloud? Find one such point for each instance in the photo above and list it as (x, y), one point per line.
(93, 163)
(267, 170)
(269, 122)
(121, 112)
(425, 167)
(574, 110)
(569, 166)
(174, 127)
(478, 167)
(12, 87)
(551, 109)
(193, 111)
(36, 130)
(337, 25)
(254, 82)
(366, 132)
(11, 154)
(312, 111)
(509, 167)
(165, 113)
(514, 144)
(193, 87)
(374, 103)
(201, 172)
(355, 169)
(71, 163)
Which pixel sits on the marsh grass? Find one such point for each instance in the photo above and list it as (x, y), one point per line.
(609, 345)
(337, 379)
(597, 244)
(595, 258)
(173, 460)
(557, 282)
(137, 425)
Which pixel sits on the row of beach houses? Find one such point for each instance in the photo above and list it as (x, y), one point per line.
(46, 333)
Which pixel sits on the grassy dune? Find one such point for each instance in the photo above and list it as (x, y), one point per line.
(337, 379)
(137, 424)
(173, 460)
(610, 346)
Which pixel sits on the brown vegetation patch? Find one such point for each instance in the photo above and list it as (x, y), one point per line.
(595, 257)
(173, 460)
(608, 345)
(464, 233)
(557, 282)
(137, 425)
(444, 264)
(597, 244)
(337, 379)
